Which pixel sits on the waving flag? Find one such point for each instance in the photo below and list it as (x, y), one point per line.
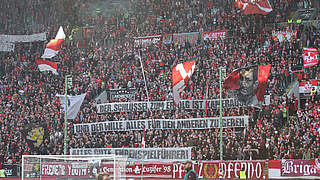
(54, 45)
(249, 83)
(310, 57)
(44, 65)
(74, 104)
(254, 6)
(180, 76)
(35, 135)
(307, 86)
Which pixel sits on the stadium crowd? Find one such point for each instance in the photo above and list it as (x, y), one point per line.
(109, 59)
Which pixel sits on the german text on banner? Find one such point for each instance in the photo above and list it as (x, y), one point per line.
(74, 104)
(156, 124)
(254, 7)
(310, 57)
(44, 65)
(249, 84)
(54, 45)
(180, 76)
(149, 169)
(141, 106)
(138, 154)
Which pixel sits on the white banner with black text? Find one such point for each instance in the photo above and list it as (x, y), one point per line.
(138, 154)
(154, 124)
(166, 105)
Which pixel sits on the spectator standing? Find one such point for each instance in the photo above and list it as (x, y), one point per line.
(191, 174)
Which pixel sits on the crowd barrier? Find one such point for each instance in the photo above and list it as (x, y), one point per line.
(255, 169)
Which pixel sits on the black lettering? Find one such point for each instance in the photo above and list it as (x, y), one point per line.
(195, 105)
(201, 104)
(231, 101)
(226, 103)
(93, 128)
(169, 105)
(102, 109)
(187, 104)
(116, 108)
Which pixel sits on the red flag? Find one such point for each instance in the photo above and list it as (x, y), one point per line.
(54, 45)
(306, 86)
(257, 7)
(249, 83)
(310, 57)
(44, 65)
(180, 76)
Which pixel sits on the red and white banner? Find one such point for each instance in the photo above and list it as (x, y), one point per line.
(306, 86)
(204, 169)
(214, 35)
(289, 169)
(54, 45)
(310, 57)
(274, 167)
(254, 7)
(284, 35)
(148, 40)
(44, 65)
(85, 170)
(296, 168)
(180, 76)
(231, 169)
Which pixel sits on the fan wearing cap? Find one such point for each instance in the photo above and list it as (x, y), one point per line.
(191, 174)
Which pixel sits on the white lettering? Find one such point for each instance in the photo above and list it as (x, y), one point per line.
(230, 168)
(258, 170)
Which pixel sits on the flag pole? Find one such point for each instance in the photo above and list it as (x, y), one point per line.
(207, 84)
(220, 107)
(145, 84)
(66, 85)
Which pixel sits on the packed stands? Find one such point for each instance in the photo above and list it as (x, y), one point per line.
(106, 57)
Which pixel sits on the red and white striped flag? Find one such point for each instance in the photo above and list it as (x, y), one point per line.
(54, 45)
(180, 76)
(44, 65)
(310, 57)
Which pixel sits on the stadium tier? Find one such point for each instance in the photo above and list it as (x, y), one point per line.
(143, 80)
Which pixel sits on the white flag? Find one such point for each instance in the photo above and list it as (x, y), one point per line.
(73, 106)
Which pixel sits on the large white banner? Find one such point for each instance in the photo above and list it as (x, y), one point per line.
(23, 38)
(6, 47)
(153, 124)
(166, 105)
(138, 154)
